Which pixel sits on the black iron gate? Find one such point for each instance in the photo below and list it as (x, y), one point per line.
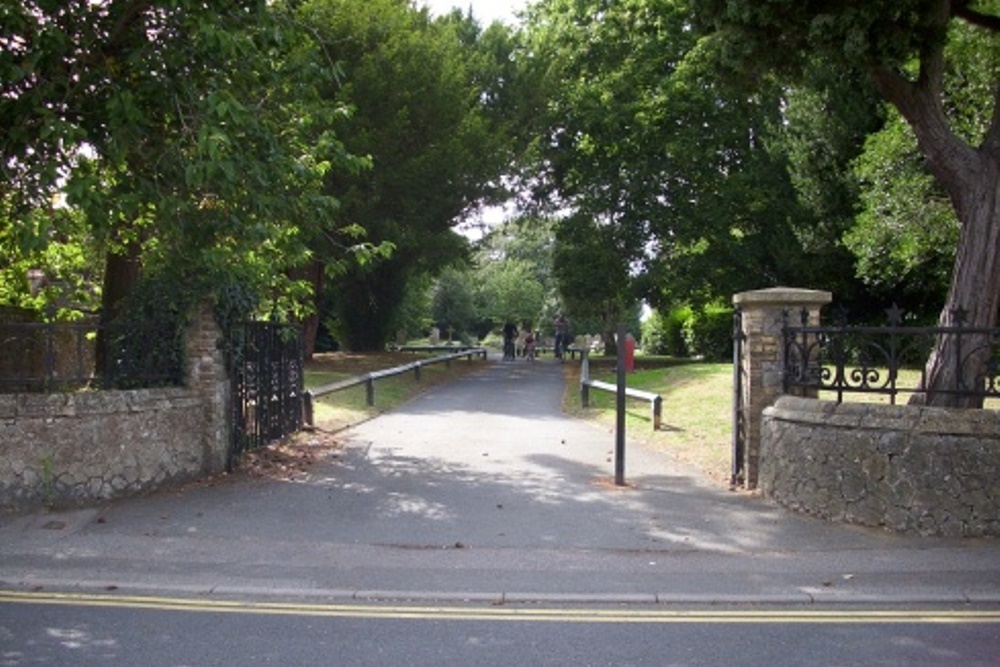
(267, 385)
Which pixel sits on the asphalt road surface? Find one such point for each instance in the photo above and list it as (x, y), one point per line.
(172, 633)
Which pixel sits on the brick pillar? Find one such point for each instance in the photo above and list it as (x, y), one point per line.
(208, 376)
(762, 359)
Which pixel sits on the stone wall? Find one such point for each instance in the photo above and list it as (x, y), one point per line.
(81, 447)
(931, 471)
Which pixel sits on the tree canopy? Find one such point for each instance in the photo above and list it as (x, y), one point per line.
(422, 92)
(685, 150)
(188, 134)
(679, 170)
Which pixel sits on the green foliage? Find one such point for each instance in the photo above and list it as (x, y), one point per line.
(906, 234)
(709, 332)
(188, 134)
(757, 36)
(676, 166)
(590, 264)
(510, 291)
(514, 275)
(907, 230)
(414, 316)
(454, 302)
(145, 346)
(50, 262)
(422, 96)
(664, 333)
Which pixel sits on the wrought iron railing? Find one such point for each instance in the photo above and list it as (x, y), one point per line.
(62, 356)
(844, 359)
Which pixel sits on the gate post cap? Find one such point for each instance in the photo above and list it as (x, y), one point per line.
(789, 296)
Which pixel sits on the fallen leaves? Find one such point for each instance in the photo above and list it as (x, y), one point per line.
(290, 459)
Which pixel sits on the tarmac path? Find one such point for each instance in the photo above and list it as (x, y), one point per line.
(480, 489)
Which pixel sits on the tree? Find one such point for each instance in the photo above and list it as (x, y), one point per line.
(591, 267)
(510, 292)
(513, 267)
(824, 122)
(907, 232)
(903, 47)
(187, 133)
(453, 303)
(640, 135)
(419, 89)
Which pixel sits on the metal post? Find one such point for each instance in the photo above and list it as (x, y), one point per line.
(307, 409)
(370, 390)
(620, 421)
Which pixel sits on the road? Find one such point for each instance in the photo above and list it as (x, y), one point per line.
(91, 630)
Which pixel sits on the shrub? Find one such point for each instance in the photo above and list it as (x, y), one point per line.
(709, 333)
(664, 333)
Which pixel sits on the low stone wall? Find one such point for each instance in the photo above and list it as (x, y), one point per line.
(924, 470)
(76, 448)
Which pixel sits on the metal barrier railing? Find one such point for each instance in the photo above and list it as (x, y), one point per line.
(368, 379)
(586, 384)
(47, 357)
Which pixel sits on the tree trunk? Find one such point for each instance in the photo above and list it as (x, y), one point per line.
(975, 292)
(971, 177)
(121, 273)
(314, 273)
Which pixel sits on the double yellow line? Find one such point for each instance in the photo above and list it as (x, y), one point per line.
(624, 614)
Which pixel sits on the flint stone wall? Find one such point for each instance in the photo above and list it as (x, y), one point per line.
(78, 448)
(931, 471)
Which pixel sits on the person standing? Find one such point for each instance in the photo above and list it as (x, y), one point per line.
(561, 326)
(509, 334)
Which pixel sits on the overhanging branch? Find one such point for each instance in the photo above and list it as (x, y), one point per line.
(979, 19)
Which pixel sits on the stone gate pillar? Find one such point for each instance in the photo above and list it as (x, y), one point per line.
(761, 360)
(208, 376)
